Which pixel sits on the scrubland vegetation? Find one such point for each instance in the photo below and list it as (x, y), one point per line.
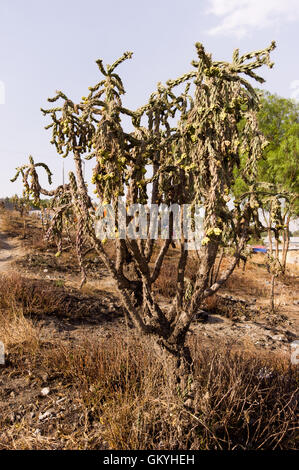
(106, 390)
(116, 342)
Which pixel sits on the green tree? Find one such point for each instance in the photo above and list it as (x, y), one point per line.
(278, 174)
(279, 168)
(277, 184)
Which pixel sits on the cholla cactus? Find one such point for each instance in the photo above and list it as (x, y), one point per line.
(278, 207)
(31, 184)
(33, 191)
(192, 162)
(275, 269)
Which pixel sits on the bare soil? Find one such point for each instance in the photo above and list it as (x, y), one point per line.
(29, 396)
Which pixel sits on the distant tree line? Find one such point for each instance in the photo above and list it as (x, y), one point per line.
(10, 203)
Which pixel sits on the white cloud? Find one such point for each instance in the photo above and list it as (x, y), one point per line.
(238, 17)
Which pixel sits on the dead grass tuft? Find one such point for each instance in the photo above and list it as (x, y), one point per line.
(243, 400)
(28, 296)
(11, 223)
(118, 398)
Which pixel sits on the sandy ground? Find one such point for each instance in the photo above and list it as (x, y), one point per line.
(253, 329)
(30, 416)
(10, 250)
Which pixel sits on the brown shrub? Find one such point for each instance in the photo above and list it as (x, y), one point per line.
(166, 283)
(28, 295)
(12, 224)
(35, 297)
(211, 303)
(243, 400)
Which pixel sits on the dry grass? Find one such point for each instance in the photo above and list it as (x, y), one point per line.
(27, 227)
(125, 389)
(38, 242)
(211, 303)
(165, 285)
(248, 282)
(29, 296)
(17, 329)
(293, 269)
(243, 401)
(253, 282)
(116, 392)
(238, 281)
(36, 298)
(12, 224)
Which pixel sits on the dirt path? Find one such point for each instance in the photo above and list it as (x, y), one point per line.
(10, 250)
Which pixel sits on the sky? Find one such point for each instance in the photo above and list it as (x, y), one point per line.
(52, 45)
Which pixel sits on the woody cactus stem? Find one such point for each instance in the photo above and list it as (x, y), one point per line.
(192, 162)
